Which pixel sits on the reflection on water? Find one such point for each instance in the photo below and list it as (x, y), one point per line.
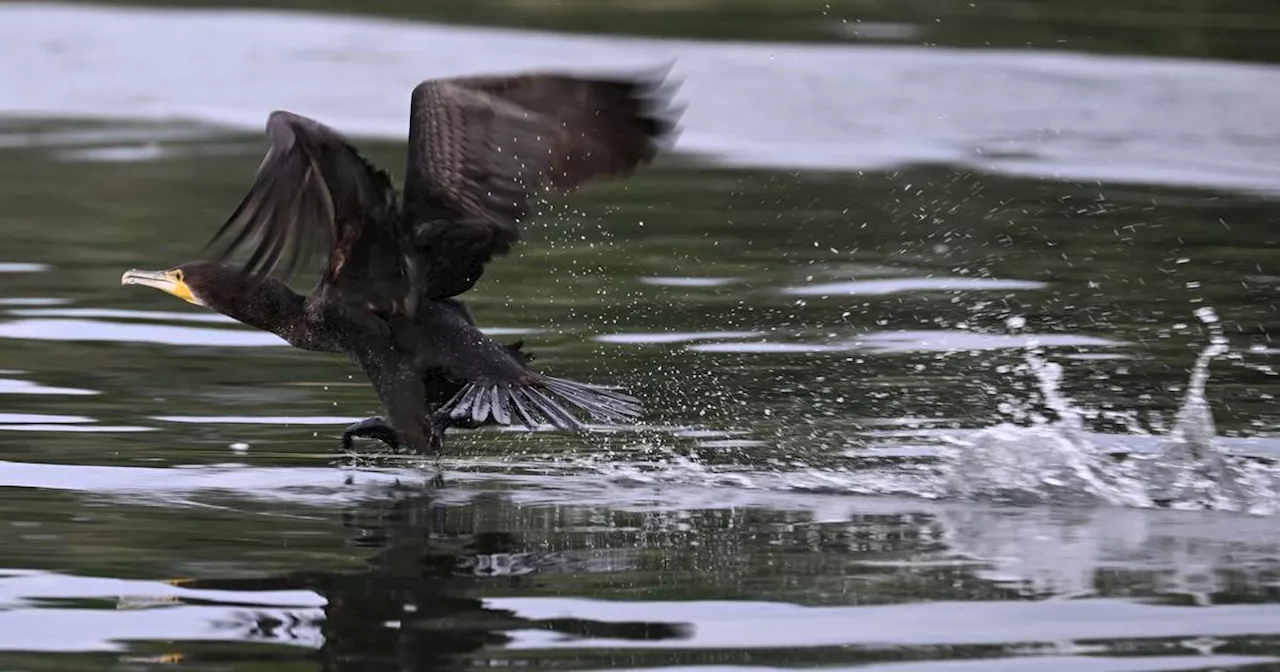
(914, 340)
(451, 580)
(855, 287)
(19, 386)
(850, 376)
(674, 337)
(70, 329)
(120, 332)
(1073, 116)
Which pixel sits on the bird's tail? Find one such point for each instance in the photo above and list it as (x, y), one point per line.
(542, 401)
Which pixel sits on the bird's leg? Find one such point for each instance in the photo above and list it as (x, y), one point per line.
(401, 392)
(439, 422)
(371, 428)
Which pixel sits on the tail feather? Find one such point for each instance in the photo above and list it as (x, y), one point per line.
(501, 397)
(618, 407)
(546, 400)
(460, 407)
(484, 401)
(522, 407)
(559, 417)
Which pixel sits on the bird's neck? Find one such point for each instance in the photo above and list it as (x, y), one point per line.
(280, 310)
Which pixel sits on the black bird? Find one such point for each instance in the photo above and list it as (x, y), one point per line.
(479, 149)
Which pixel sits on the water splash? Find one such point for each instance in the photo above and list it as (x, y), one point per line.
(1047, 461)
(1193, 470)
(1058, 461)
(1044, 454)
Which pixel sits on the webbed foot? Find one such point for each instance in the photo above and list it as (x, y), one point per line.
(371, 428)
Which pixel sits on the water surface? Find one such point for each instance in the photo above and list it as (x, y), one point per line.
(1072, 115)
(993, 387)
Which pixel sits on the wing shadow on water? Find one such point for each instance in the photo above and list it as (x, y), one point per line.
(415, 607)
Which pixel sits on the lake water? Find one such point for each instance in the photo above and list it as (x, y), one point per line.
(954, 360)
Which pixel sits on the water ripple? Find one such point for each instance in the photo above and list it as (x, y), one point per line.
(17, 386)
(893, 286)
(726, 625)
(21, 267)
(663, 281)
(99, 330)
(236, 335)
(36, 418)
(86, 429)
(257, 419)
(922, 340)
(674, 337)
(158, 315)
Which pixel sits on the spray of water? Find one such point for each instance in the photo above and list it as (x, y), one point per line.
(1193, 470)
(1056, 461)
(1044, 454)
(1048, 461)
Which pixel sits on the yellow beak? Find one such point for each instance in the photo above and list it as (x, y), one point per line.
(169, 282)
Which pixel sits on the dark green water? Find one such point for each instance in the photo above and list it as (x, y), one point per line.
(810, 345)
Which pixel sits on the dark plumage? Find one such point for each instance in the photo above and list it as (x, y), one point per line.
(479, 149)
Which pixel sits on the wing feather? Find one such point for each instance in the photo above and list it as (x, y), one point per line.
(312, 189)
(481, 147)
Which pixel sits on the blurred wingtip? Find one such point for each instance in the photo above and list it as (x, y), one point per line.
(657, 89)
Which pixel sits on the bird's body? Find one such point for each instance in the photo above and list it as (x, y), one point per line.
(479, 149)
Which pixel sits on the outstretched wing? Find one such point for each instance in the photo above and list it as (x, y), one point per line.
(479, 148)
(312, 191)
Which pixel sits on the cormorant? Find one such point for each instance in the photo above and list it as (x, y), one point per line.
(479, 149)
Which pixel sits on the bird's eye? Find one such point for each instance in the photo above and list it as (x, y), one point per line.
(180, 276)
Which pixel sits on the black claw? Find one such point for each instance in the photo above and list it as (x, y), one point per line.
(371, 428)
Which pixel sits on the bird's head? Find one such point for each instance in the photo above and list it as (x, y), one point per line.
(264, 303)
(202, 283)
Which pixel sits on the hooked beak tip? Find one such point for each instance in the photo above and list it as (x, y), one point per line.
(169, 282)
(136, 276)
